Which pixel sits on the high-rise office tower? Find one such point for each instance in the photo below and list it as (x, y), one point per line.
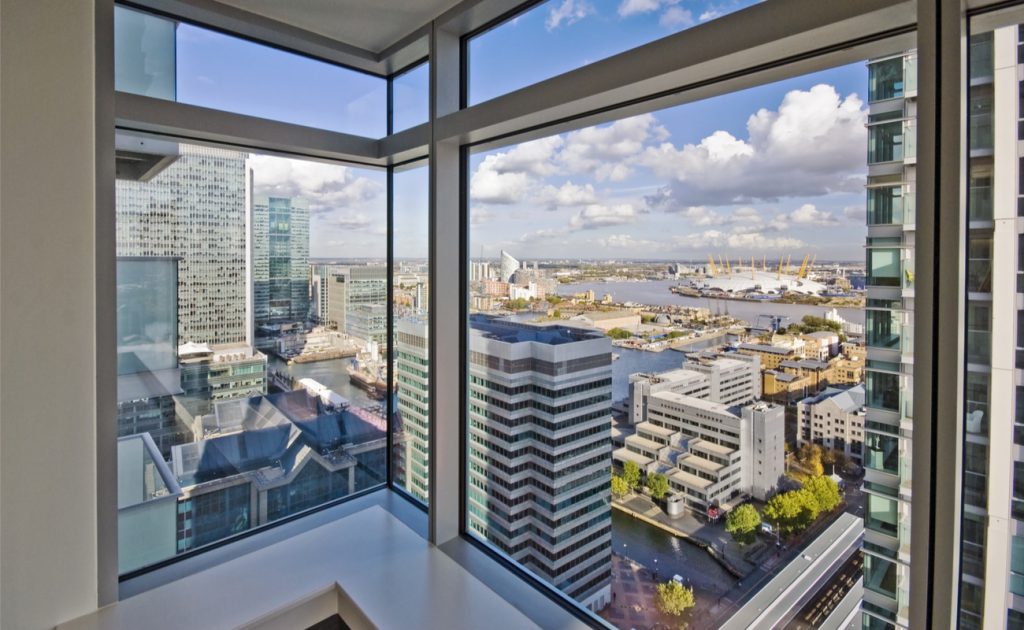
(357, 300)
(195, 210)
(318, 290)
(540, 450)
(888, 426)
(411, 336)
(509, 266)
(280, 260)
(992, 508)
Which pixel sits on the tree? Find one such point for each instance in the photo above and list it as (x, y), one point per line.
(619, 333)
(557, 314)
(810, 458)
(631, 473)
(809, 508)
(783, 510)
(674, 598)
(658, 485)
(553, 299)
(619, 486)
(825, 491)
(743, 523)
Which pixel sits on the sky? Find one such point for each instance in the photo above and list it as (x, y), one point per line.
(773, 170)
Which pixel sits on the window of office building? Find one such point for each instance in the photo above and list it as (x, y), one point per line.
(556, 36)
(172, 60)
(252, 331)
(607, 266)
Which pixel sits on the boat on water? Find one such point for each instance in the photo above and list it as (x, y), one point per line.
(365, 377)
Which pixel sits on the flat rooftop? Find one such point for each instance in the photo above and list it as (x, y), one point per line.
(690, 480)
(699, 462)
(644, 443)
(698, 403)
(710, 447)
(519, 332)
(627, 455)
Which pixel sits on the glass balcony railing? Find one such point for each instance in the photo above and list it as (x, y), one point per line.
(910, 140)
(980, 131)
(980, 56)
(979, 203)
(910, 75)
(979, 275)
(978, 346)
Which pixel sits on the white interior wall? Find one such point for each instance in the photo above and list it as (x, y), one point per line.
(48, 537)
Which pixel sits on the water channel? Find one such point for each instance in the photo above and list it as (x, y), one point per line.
(657, 293)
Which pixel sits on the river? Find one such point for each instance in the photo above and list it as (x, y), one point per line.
(644, 543)
(657, 293)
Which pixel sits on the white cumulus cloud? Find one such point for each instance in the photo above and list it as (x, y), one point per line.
(676, 18)
(567, 12)
(567, 195)
(607, 153)
(327, 188)
(599, 215)
(812, 145)
(808, 214)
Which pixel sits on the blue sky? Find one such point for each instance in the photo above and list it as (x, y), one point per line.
(777, 169)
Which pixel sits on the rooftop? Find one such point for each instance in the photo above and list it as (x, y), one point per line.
(762, 347)
(518, 332)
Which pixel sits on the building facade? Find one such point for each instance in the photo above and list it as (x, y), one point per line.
(413, 405)
(833, 419)
(350, 289)
(712, 454)
(892, 157)
(195, 210)
(280, 260)
(539, 454)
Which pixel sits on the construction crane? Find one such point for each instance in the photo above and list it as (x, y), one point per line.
(711, 267)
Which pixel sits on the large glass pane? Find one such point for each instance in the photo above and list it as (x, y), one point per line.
(411, 317)
(241, 399)
(560, 35)
(410, 100)
(177, 61)
(884, 267)
(885, 79)
(608, 266)
(144, 52)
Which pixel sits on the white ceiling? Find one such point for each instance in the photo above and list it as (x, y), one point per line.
(369, 24)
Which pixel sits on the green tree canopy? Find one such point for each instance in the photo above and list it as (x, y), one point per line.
(674, 598)
(619, 486)
(743, 523)
(825, 491)
(792, 511)
(658, 485)
(631, 473)
(619, 333)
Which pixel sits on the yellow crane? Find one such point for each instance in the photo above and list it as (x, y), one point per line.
(778, 274)
(811, 266)
(711, 266)
(803, 267)
(789, 264)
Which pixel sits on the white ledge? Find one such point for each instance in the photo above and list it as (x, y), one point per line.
(369, 568)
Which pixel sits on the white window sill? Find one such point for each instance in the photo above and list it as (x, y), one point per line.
(368, 567)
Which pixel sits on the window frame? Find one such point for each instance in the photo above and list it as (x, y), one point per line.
(802, 40)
